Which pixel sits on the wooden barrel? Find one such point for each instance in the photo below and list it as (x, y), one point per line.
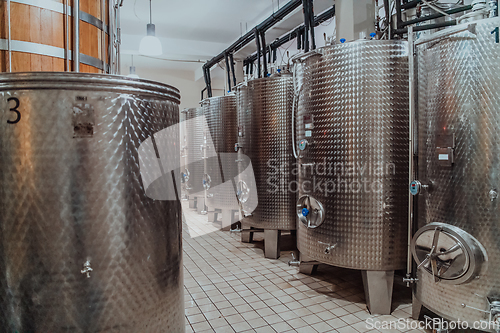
(38, 36)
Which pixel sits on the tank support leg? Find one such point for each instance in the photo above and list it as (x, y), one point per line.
(246, 236)
(200, 205)
(192, 202)
(227, 219)
(378, 291)
(307, 265)
(416, 307)
(212, 214)
(272, 240)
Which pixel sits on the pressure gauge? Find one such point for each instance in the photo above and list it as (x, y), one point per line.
(302, 144)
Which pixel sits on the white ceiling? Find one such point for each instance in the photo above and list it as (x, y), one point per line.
(189, 30)
(193, 31)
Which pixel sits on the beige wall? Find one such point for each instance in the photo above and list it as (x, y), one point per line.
(182, 80)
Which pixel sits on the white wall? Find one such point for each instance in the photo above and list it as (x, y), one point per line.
(182, 80)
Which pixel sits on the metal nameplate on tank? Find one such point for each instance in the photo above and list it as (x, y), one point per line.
(445, 146)
(83, 120)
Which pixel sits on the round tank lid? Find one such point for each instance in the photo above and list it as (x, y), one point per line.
(447, 252)
(87, 82)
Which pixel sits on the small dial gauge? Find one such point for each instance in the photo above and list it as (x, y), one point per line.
(302, 144)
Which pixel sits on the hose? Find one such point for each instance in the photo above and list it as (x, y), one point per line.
(295, 93)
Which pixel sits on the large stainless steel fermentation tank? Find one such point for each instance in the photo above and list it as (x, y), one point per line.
(265, 122)
(457, 245)
(221, 164)
(82, 248)
(353, 162)
(194, 161)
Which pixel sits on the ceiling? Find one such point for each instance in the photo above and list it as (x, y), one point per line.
(190, 30)
(193, 31)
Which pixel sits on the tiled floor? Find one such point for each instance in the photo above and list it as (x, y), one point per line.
(231, 287)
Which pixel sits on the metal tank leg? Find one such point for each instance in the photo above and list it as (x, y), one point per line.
(416, 307)
(212, 215)
(272, 240)
(227, 219)
(246, 236)
(378, 291)
(307, 265)
(192, 202)
(200, 205)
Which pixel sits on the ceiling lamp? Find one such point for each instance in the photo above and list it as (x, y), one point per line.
(150, 44)
(132, 73)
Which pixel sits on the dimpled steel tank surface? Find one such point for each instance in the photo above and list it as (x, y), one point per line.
(82, 248)
(220, 113)
(265, 136)
(194, 156)
(352, 126)
(458, 167)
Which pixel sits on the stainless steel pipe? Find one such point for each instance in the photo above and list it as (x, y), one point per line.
(76, 35)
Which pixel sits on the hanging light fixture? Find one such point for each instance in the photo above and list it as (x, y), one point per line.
(150, 44)
(132, 70)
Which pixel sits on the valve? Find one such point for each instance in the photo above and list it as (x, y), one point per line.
(342, 40)
(305, 211)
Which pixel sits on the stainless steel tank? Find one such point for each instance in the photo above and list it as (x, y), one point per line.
(353, 162)
(183, 151)
(220, 165)
(458, 170)
(82, 248)
(194, 161)
(265, 123)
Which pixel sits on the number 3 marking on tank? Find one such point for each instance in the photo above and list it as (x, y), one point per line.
(14, 109)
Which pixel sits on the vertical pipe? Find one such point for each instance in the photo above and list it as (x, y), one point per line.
(398, 14)
(299, 39)
(231, 60)
(9, 41)
(76, 35)
(264, 52)
(111, 36)
(209, 78)
(228, 71)
(311, 24)
(103, 36)
(411, 68)
(305, 5)
(66, 35)
(387, 8)
(257, 41)
(118, 39)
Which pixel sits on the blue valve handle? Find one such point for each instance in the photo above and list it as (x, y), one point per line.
(305, 211)
(342, 40)
(372, 35)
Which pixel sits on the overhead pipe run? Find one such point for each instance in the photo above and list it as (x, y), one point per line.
(249, 36)
(297, 33)
(402, 26)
